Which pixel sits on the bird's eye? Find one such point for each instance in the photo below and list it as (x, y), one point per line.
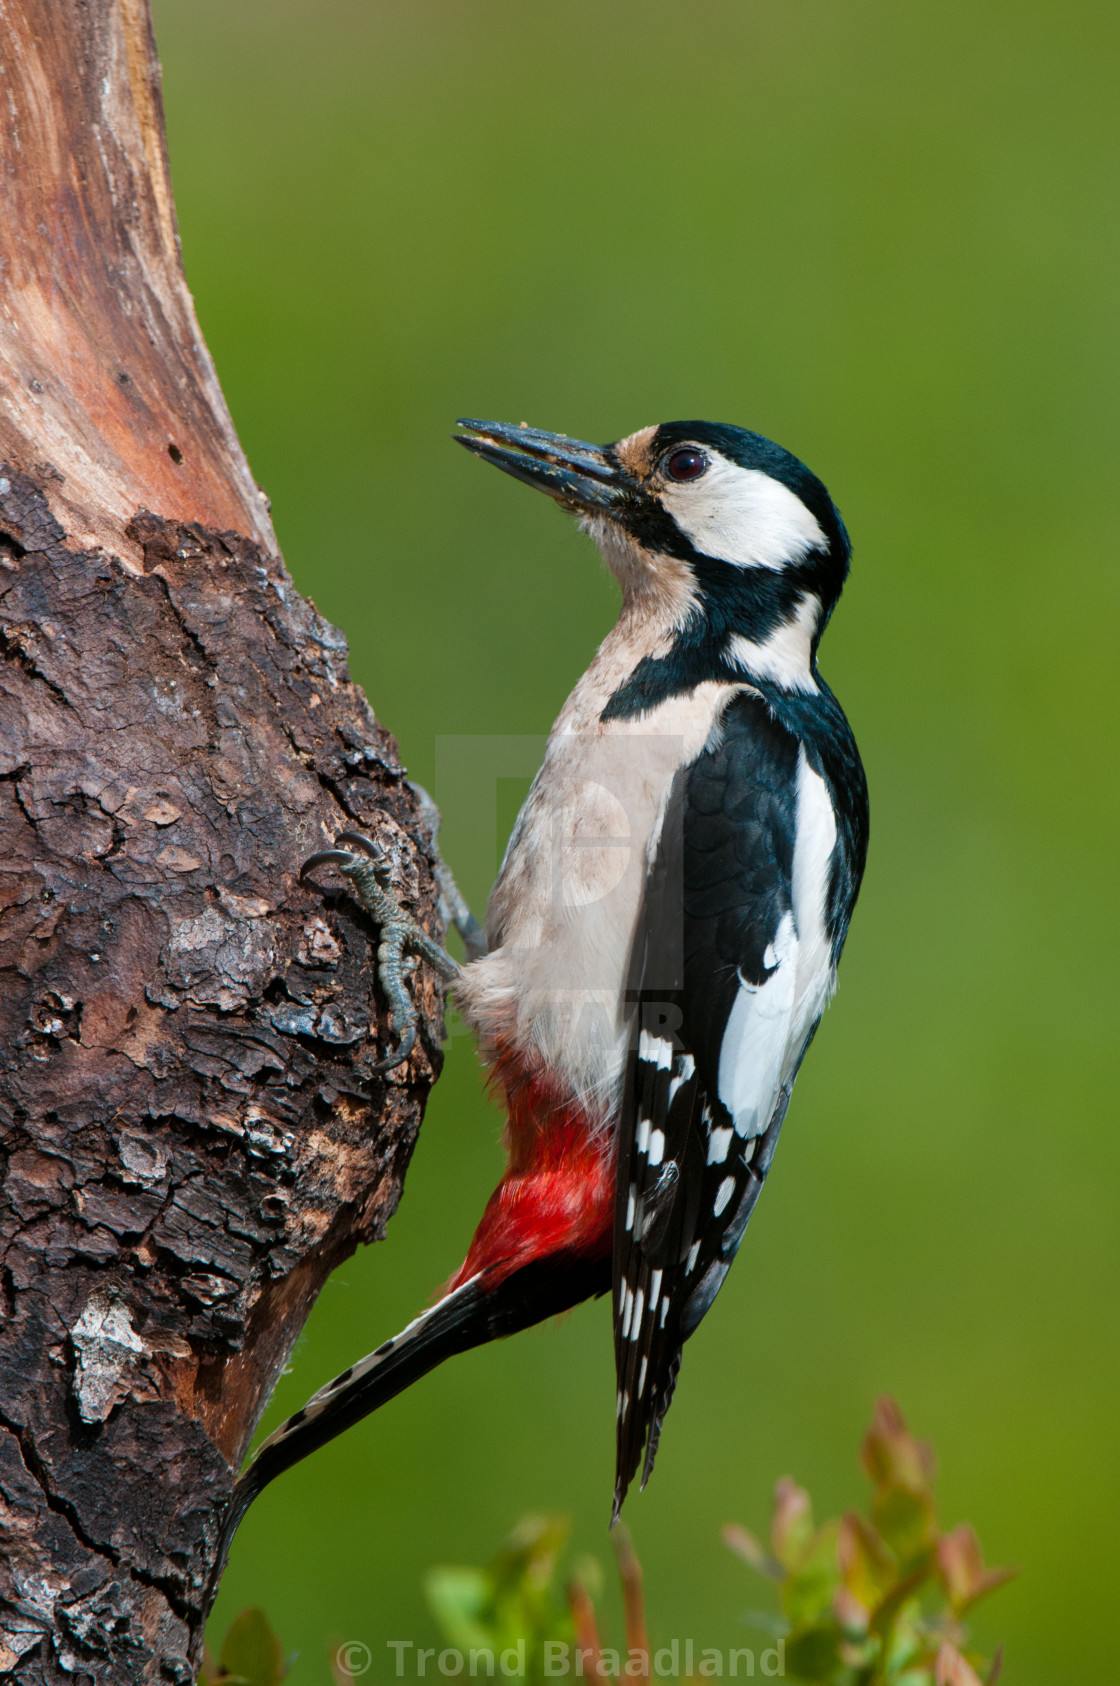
(687, 464)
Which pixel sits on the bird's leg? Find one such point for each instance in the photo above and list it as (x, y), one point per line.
(452, 903)
(403, 941)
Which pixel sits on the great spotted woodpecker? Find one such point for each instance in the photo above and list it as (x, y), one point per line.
(664, 932)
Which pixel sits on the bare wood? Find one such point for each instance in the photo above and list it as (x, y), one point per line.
(191, 1131)
(104, 370)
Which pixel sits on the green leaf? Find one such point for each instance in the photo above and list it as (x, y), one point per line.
(251, 1653)
(744, 1544)
(962, 1568)
(791, 1527)
(459, 1599)
(954, 1669)
(515, 1598)
(892, 1456)
(868, 1569)
(813, 1653)
(808, 1591)
(906, 1649)
(906, 1518)
(529, 1555)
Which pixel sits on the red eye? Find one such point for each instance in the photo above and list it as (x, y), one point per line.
(688, 464)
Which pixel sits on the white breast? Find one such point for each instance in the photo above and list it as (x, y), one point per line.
(562, 915)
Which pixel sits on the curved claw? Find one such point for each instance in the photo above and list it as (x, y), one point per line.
(358, 840)
(403, 941)
(404, 1048)
(326, 857)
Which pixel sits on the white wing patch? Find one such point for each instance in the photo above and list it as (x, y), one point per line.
(718, 1143)
(768, 1024)
(752, 1054)
(686, 1071)
(655, 1050)
(812, 870)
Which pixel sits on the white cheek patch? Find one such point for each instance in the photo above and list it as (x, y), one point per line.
(743, 516)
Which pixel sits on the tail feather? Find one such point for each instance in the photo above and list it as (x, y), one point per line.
(477, 1311)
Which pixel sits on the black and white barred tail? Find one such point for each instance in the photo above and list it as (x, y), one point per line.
(478, 1311)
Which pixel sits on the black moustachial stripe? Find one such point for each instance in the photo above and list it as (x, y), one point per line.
(751, 601)
(754, 603)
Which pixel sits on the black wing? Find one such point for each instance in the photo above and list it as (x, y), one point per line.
(711, 977)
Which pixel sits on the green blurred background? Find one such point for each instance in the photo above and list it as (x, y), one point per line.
(884, 234)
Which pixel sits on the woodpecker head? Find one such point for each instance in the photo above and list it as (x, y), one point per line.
(729, 532)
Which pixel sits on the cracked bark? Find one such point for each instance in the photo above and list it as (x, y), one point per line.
(192, 1135)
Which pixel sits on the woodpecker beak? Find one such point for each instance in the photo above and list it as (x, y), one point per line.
(582, 477)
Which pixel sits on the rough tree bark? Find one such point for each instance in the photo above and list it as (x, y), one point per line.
(192, 1133)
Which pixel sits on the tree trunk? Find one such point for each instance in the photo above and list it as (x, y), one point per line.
(193, 1135)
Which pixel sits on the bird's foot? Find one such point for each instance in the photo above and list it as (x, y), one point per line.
(452, 903)
(403, 941)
